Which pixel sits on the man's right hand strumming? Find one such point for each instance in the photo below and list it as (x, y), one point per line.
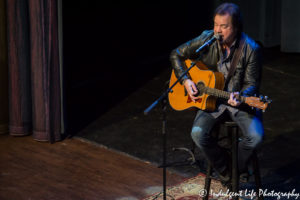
(191, 88)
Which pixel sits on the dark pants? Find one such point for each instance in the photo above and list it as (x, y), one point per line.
(252, 136)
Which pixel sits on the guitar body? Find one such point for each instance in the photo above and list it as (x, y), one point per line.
(179, 98)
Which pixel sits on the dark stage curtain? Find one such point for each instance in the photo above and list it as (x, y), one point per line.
(3, 71)
(19, 68)
(34, 75)
(45, 69)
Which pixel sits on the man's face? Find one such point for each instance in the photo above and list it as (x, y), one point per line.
(223, 26)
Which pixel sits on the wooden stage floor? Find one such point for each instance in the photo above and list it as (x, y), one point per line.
(73, 169)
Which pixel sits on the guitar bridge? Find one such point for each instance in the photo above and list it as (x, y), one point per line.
(189, 100)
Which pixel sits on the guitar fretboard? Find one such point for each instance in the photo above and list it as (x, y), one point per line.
(219, 93)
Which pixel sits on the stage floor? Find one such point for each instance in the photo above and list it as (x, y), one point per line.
(74, 169)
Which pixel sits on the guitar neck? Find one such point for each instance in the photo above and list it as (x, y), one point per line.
(220, 93)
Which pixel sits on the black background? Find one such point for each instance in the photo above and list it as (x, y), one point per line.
(113, 48)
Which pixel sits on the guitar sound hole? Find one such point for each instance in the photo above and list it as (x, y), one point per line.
(201, 88)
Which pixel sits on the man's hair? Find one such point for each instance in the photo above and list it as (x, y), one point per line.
(234, 11)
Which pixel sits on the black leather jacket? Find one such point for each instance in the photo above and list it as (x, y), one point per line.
(246, 78)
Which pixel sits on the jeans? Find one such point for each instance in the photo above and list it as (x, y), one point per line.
(252, 136)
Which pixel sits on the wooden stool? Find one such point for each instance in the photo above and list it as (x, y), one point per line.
(233, 131)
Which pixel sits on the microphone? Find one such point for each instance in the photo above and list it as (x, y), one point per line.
(209, 42)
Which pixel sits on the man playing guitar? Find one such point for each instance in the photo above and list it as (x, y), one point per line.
(243, 81)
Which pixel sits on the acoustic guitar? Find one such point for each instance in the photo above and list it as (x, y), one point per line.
(210, 86)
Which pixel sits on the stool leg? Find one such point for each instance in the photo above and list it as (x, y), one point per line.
(207, 181)
(235, 173)
(256, 174)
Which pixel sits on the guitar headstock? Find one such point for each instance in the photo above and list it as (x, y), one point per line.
(260, 102)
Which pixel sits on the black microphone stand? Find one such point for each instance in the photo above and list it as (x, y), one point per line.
(163, 99)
